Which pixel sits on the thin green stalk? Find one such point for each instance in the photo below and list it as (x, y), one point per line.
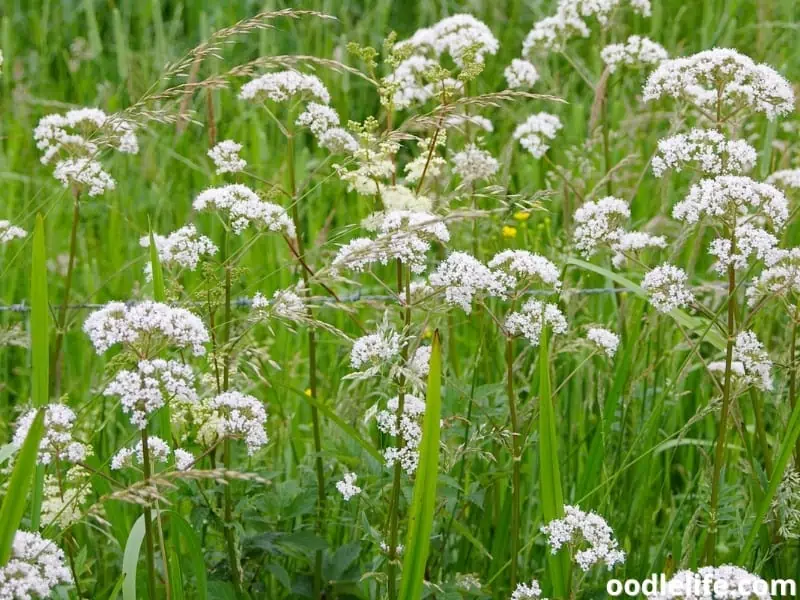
(516, 459)
(148, 522)
(793, 373)
(68, 539)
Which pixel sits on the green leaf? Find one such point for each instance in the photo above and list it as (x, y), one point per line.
(14, 501)
(193, 547)
(423, 504)
(549, 471)
(130, 559)
(117, 588)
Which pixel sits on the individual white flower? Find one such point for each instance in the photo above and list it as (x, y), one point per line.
(285, 85)
(472, 164)
(84, 172)
(241, 416)
(586, 533)
(600, 224)
(155, 383)
(318, 118)
(636, 51)
(462, 276)
(527, 591)
(184, 460)
(605, 340)
(755, 360)
(536, 132)
(711, 151)
(727, 197)
(751, 241)
(521, 74)
(244, 207)
(36, 566)
(183, 247)
(407, 427)
(532, 318)
(226, 157)
(58, 441)
(62, 503)
(337, 141)
(146, 324)
(9, 232)
(347, 486)
(158, 451)
(376, 349)
(725, 77)
(786, 179)
(526, 267)
(727, 581)
(666, 287)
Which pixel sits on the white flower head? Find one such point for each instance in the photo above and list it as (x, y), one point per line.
(637, 51)
(10, 232)
(473, 164)
(347, 486)
(751, 242)
(586, 533)
(600, 224)
(226, 157)
(319, 118)
(244, 207)
(536, 133)
(36, 566)
(527, 591)
(408, 427)
(521, 74)
(377, 349)
(337, 141)
(532, 318)
(183, 247)
(462, 276)
(158, 451)
(84, 173)
(58, 442)
(749, 351)
(241, 416)
(666, 287)
(285, 304)
(184, 460)
(454, 35)
(788, 179)
(710, 151)
(527, 267)
(282, 86)
(780, 278)
(604, 339)
(726, 581)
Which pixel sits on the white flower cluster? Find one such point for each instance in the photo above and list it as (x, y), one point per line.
(319, 118)
(376, 349)
(63, 506)
(779, 279)
(408, 81)
(338, 141)
(750, 241)
(552, 33)
(723, 76)
(184, 460)
(634, 241)
(454, 35)
(282, 86)
(145, 323)
(347, 486)
(154, 384)
(472, 164)
(606, 340)
(245, 207)
(374, 160)
(399, 197)
(590, 532)
(157, 449)
(637, 51)
(666, 286)
(407, 427)
(713, 153)
(536, 132)
(527, 591)
(35, 568)
(226, 157)
(241, 415)
(526, 267)
(754, 359)
(728, 197)
(86, 172)
(462, 276)
(285, 304)
(532, 318)
(420, 362)
(786, 179)
(9, 232)
(58, 442)
(183, 247)
(521, 74)
(726, 581)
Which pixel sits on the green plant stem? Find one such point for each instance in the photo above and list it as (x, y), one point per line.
(148, 522)
(719, 455)
(516, 459)
(793, 373)
(68, 538)
(62, 313)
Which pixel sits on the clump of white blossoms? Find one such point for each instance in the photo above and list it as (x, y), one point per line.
(10, 232)
(376, 350)
(285, 304)
(245, 207)
(666, 287)
(347, 486)
(454, 35)
(319, 118)
(146, 326)
(605, 340)
(36, 567)
(408, 81)
(400, 197)
(600, 223)
(64, 507)
(634, 241)
(750, 241)
(536, 132)
(58, 442)
(526, 268)
(241, 416)
(588, 536)
(749, 351)
(226, 157)
(84, 172)
(407, 427)
(707, 150)
(184, 460)
(183, 247)
(155, 383)
(427, 162)
(462, 277)
(527, 591)
(726, 581)
(158, 451)
(374, 162)
(721, 78)
(472, 164)
(532, 318)
(637, 51)
(282, 86)
(782, 277)
(420, 363)
(786, 179)
(521, 74)
(338, 141)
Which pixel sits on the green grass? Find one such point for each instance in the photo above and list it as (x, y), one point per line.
(633, 436)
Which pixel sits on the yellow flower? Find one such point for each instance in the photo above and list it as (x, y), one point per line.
(522, 215)
(427, 333)
(509, 232)
(308, 392)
